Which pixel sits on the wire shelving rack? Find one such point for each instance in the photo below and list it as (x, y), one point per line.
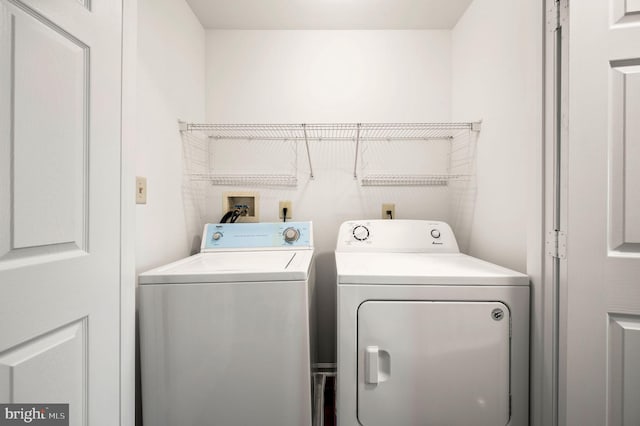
(357, 133)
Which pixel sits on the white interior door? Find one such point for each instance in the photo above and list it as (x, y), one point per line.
(601, 381)
(60, 65)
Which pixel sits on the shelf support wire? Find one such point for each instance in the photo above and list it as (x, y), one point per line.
(306, 143)
(355, 163)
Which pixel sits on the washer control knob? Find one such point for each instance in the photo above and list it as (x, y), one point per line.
(435, 233)
(291, 234)
(360, 233)
(216, 236)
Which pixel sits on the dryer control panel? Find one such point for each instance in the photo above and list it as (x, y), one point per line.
(397, 236)
(257, 236)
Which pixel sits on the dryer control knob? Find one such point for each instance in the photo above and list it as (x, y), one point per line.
(217, 236)
(291, 235)
(360, 233)
(435, 233)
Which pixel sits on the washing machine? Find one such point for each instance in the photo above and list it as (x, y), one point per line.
(226, 335)
(427, 335)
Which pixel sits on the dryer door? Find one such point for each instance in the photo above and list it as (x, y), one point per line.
(433, 363)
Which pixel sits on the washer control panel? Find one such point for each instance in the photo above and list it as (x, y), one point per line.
(397, 236)
(257, 236)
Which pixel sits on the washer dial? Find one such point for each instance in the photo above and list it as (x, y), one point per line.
(291, 234)
(360, 233)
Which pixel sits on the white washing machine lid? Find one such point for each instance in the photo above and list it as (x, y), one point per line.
(244, 266)
(422, 269)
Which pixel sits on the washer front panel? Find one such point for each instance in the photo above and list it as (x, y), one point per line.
(433, 363)
(232, 354)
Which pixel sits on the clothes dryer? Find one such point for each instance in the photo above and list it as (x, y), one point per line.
(427, 335)
(227, 334)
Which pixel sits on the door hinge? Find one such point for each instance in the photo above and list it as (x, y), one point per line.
(553, 16)
(557, 15)
(563, 12)
(557, 244)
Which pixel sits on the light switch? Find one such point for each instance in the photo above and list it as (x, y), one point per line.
(141, 190)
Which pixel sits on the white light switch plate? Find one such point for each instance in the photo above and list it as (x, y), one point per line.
(141, 190)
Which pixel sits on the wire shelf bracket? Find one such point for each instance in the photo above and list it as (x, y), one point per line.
(355, 162)
(306, 144)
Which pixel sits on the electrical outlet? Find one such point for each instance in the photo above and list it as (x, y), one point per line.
(248, 200)
(141, 190)
(389, 211)
(287, 205)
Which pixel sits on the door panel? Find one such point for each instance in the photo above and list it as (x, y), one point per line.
(625, 151)
(49, 140)
(52, 368)
(601, 310)
(60, 68)
(433, 363)
(625, 11)
(624, 370)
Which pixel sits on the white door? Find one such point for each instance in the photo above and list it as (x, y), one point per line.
(60, 65)
(433, 363)
(601, 312)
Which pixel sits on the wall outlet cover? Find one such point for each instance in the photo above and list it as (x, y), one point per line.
(281, 206)
(386, 208)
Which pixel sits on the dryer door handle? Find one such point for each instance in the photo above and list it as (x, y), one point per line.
(371, 365)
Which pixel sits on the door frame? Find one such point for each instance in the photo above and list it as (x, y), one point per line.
(546, 263)
(544, 338)
(127, 213)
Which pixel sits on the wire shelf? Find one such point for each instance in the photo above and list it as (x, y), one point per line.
(246, 179)
(332, 131)
(248, 131)
(409, 180)
(354, 132)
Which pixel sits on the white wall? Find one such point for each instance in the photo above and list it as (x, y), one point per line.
(170, 85)
(328, 76)
(497, 69)
(331, 76)
(497, 75)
